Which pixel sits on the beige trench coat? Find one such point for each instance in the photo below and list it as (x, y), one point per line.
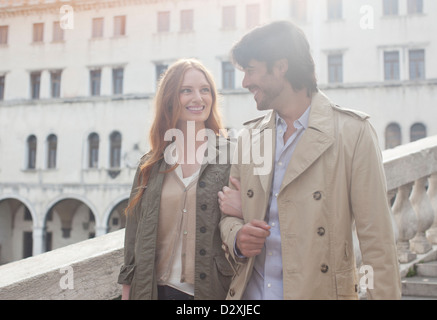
(335, 177)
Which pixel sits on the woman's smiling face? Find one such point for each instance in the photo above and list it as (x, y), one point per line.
(195, 97)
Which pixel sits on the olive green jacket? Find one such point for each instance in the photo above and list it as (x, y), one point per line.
(213, 273)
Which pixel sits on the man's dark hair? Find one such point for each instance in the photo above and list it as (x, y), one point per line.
(279, 40)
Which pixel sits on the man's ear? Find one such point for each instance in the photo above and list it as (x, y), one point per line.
(281, 66)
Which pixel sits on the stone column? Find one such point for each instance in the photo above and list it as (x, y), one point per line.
(38, 235)
(425, 216)
(101, 230)
(432, 194)
(390, 196)
(406, 221)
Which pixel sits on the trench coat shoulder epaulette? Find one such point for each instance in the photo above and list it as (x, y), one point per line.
(252, 123)
(359, 115)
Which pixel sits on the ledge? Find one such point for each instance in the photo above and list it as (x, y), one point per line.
(91, 266)
(24, 8)
(378, 84)
(81, 99)
(410, 162)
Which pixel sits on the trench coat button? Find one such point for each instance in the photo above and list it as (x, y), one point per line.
(317, 195)
(202, 252)
(232, 292)
(321, 231)
(202, 184)
(203, 207)
(202, 276)
(324, 268)
(203, 229)
(250, 193)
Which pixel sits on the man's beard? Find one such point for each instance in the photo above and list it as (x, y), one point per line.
(265, 103)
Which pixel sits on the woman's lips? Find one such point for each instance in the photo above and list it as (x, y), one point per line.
(195, 109)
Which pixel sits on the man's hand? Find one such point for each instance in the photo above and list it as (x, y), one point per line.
(230, 200)
(251, 238)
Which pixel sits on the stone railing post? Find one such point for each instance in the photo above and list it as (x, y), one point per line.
(406, 221)
(390, 196)
(432, 194)
(425, 216)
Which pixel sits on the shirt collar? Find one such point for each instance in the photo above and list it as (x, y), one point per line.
(299, 123)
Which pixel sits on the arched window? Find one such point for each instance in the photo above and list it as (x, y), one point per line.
(93, 150)
(392, 136)
(115, 150)
(417, 132)
(31, 152)
(52, 146)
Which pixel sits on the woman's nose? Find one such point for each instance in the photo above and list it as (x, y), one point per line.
(197, 96)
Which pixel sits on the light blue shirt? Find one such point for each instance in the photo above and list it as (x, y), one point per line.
(266, 281)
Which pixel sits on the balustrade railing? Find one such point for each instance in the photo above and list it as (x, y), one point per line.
(411, 172)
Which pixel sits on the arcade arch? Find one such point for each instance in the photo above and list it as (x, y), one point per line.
(16, 230)
(68, 221)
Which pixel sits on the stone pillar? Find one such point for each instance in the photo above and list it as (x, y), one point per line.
(38, 235)
(390, 196)
(425, 216)
(406, 221)
(432, 194)
(101, 230)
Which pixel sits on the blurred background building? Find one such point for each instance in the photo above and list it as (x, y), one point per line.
(78, 77)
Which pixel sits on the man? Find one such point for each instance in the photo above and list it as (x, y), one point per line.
(295, 238)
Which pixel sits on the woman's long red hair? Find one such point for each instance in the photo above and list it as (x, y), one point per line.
(167, 111)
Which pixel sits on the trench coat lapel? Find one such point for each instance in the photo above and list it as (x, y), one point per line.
(261, 139)
(316, 139)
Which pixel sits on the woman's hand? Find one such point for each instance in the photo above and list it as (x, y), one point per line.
(230, 200)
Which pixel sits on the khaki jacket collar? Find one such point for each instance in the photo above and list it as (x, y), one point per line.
(317, 138)
(269, 122)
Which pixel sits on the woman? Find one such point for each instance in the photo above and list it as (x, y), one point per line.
(172, 241)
